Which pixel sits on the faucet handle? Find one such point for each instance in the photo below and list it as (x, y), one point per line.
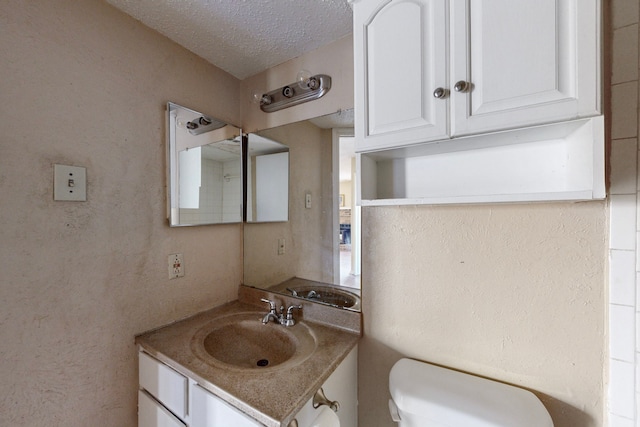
(272, 305)
(288, 319)
(291, 307)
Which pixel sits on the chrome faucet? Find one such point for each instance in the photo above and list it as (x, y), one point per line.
(285, 317)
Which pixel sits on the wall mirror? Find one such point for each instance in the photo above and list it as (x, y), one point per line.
(315, 254)
(204, 161)
(267, 168)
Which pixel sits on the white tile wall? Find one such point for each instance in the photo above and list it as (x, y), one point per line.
(232, 198)
(622, 397)
(624, 154)
(624, 118)
(625, 60)
(622, 219)
(617, 421)
(210, 208)
(624, 12)
(624, 261)
(622, 274)
(622, 340)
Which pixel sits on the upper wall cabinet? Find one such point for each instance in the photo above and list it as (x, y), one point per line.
(434, 69)
(478, 101)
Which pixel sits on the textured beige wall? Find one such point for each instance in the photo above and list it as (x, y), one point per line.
(307, 234)
(513, 292)
(83, 84)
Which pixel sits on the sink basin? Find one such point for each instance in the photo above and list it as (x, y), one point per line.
(243, 342)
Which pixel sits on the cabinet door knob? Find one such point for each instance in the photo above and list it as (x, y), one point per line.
(440, 93)
(462, 86)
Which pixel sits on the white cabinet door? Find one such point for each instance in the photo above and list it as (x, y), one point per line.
(527, 62)
(401, 59)
(209, 411)
(341, 386)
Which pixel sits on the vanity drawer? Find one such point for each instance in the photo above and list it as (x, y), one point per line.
(163, 383)
(153, 414)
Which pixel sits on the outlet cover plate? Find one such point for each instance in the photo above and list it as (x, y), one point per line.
(176, 266)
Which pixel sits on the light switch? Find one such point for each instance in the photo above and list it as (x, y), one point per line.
(69, 183)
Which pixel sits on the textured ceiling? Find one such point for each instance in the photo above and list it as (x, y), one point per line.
(244, 37)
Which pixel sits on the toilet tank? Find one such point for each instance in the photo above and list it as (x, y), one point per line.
(425, 395)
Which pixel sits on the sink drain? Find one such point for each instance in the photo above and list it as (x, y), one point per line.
(262, 362)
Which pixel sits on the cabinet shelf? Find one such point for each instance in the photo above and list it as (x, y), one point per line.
(560, 161)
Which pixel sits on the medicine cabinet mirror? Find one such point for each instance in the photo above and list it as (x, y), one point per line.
(315, 254)
(204, 161)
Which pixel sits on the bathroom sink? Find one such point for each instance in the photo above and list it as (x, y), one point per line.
(243, 342)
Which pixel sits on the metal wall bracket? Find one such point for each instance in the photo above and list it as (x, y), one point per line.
(295, 93)
(204, 124)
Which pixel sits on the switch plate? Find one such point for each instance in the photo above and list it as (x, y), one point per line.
(176, 266)
(69, 183)
(281, 248)
(307, 200)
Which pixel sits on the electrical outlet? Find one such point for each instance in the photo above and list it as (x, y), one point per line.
(176, 266)
(281, 248)
(307, 200)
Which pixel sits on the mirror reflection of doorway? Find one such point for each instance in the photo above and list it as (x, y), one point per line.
(348, 214)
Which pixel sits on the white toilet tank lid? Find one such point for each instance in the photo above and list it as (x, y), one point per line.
(453, 398)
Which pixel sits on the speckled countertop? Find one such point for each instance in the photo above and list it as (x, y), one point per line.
(272, 396)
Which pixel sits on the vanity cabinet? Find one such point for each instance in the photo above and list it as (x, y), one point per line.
(435, 69)
(167, 398)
